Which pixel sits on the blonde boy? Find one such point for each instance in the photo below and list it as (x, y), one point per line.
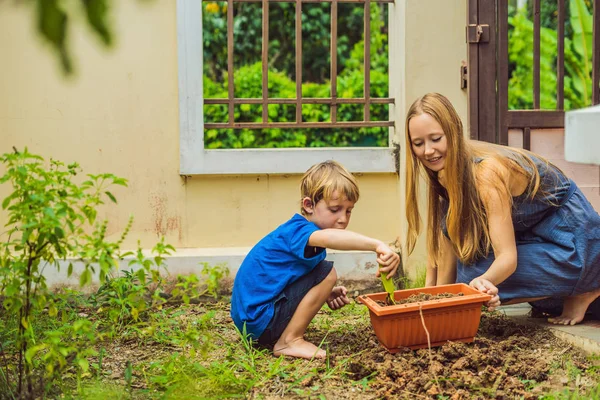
(284, 280)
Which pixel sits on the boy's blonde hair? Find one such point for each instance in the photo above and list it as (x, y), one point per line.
(323, 179)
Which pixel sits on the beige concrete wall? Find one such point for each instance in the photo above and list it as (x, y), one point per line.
(433, 49)
(119, 114)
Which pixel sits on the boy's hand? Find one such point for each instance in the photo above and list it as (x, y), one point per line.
(487, 287)
(338, 299)
(388, 260)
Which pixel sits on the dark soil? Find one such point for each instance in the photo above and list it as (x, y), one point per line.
(505, 361)
(415, 298)
(420, 297)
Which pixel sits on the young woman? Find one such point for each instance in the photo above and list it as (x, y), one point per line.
(503, 220)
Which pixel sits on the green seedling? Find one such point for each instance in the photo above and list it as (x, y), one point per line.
(390, 288)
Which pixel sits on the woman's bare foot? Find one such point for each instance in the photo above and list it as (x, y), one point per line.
(574, 308)
(298, 348)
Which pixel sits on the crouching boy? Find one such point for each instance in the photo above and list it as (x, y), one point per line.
(284, 280)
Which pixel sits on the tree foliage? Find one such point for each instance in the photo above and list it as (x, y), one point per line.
(578, 58)
(281, 79)
(247, 33)
(54, 20)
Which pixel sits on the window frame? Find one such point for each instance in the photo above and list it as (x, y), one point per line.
(195, 159)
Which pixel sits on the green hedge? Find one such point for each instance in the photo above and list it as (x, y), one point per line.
(248, 84)
(578, 60)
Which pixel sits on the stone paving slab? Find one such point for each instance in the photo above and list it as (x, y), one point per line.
(585, 336)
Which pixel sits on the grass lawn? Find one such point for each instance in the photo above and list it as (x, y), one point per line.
(192, 351)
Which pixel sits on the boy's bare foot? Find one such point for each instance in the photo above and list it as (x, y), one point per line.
(574, 308)
(298, 348)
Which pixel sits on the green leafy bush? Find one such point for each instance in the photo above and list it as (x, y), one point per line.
(52, 221)
(50, 217)
(281, 84)
(578, 61)
(247, 33)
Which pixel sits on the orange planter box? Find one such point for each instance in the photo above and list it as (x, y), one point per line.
(453, 319)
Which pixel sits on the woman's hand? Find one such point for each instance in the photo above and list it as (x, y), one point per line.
(487, 287)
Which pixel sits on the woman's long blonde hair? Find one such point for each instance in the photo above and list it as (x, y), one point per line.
(466, 218)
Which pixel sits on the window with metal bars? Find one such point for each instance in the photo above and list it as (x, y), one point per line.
(201, 154)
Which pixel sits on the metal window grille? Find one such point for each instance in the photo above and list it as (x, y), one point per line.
(231, 101)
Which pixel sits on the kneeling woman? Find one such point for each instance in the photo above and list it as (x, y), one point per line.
(503, 220)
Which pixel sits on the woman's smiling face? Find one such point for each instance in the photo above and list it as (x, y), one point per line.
(428, 141)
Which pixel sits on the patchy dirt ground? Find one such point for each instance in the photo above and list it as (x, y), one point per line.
(505, 361)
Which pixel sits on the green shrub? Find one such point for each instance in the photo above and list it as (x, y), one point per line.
(52, 221)
(50, 217)
(281, 84)
(578, 61)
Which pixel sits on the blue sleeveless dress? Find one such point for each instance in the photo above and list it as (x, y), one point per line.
(558, 243)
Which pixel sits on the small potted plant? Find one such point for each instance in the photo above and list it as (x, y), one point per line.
(422, 323)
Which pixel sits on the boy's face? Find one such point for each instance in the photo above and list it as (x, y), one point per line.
(334, 213)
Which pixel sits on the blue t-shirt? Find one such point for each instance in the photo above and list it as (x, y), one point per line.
(275, 262)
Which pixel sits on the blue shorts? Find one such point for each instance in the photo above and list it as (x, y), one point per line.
(287, 302)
